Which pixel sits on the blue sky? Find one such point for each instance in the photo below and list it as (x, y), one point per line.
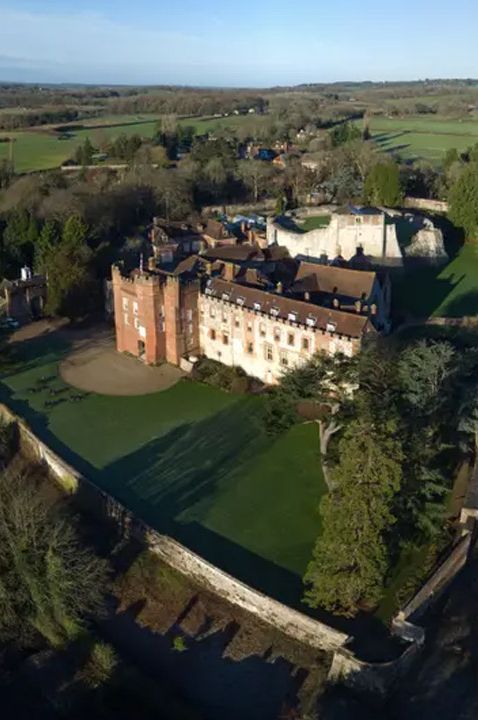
(247, 43)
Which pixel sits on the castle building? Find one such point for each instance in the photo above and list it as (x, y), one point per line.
(266, 333)
(156, 315)
(237, 316)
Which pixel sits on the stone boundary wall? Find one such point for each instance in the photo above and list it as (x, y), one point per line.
(425, 204)
(369, 677)
(437, 583)
(289, 621)
(292, 622)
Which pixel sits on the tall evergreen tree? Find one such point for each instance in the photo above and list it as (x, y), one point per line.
(382, 184)
(67, 266)
(46, 243)
(351, 558)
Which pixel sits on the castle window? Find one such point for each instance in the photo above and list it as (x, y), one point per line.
(257, 306)
(190, 328)
(311, 321)
(135, 308)
(189, 315)
(292, 316)
(290, 339)
(212, 334)
(237, 322)
(262, 329)
(240, 300)
(305, 344)
(268, 353)
(224, 318)
(277, 334)
(212, 312)
(284, 360)
(125, 303)
(136, 323)
(274, 311)
(249, 326)
(225, 339)
(331, 327)
(250, 348)
(126, 318)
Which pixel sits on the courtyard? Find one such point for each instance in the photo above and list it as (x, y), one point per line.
(193, 461)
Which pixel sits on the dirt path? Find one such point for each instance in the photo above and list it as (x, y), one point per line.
(97, 367)
(94, 365)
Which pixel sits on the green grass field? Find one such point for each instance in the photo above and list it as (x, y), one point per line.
(451, 291)
(43, 149)
(313, 222)
(423, 137)
(193, 461)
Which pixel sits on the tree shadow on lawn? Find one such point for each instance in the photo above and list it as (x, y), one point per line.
(417, 291)
(172, 481)
(35, 352)
(463, 305)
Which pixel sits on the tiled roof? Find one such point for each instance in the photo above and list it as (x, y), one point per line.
(285, 308)
(216, 230)
(334, 280)
(238, 253)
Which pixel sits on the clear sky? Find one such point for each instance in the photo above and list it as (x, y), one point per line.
(236, 43)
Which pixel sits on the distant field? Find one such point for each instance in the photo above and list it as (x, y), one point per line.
(423, 137)
(43, 149)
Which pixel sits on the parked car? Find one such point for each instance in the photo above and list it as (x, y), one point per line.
(9, 323)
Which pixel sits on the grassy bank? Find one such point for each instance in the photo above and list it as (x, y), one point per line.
(193, 461)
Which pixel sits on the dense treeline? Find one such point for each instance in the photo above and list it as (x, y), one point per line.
(10, 120)
(390, 453)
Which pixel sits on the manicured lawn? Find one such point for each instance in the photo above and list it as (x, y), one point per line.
(451, 291)
(193, 461)
(315, 221)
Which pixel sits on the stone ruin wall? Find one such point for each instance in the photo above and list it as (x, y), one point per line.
(341, 237)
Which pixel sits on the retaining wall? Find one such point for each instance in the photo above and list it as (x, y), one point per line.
(426, 204)
(368, 677)
(439, 580)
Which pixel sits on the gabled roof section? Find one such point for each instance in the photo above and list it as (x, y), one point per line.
(235, 253)
(284, 308)
(335, 280)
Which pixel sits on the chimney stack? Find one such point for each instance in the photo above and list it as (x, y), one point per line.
(229, 271)
(279, 288)
(336, 303)
(307, 296)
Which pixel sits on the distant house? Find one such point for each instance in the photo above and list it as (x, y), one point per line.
(265, 154)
